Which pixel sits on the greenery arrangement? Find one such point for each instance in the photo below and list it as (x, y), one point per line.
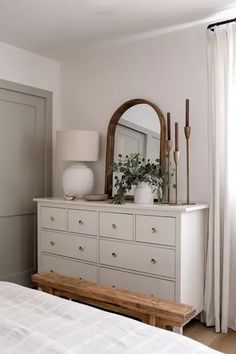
(132, 169)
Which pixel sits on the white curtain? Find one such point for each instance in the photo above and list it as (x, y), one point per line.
(220, 290)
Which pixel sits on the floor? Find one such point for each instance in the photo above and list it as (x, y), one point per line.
(224, 342)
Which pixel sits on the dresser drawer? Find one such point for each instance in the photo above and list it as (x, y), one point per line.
(54, 218)
(79, 247)
(69, 267)
(119, 226)
(145, 259)
(155, 229)
(83, 221)
(140, 283)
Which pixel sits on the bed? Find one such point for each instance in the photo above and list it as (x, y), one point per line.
(35, 322)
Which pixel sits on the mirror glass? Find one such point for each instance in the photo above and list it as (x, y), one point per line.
(137, 126)
(137, 131)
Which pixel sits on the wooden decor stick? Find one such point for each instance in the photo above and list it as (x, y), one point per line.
(168, 146)
(187, 131)
(176, 159)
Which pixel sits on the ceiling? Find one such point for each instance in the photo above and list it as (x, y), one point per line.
(51, 27)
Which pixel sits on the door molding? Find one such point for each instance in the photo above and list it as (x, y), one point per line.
(47, 96)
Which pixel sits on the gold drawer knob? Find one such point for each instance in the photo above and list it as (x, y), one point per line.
(153, 261)
(154, 230)
(81, 222)
(114, 254)
(80, 278)
(113, 286)
(52, 218)
(81, 248)
(114, 226)
(52, 243)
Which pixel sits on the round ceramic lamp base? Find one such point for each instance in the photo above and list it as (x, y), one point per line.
(77, 180)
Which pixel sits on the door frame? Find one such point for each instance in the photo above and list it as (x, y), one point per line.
(47, 96)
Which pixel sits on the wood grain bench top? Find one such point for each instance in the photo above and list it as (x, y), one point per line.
(156, 310)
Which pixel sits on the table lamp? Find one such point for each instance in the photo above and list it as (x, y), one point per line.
(78, 146)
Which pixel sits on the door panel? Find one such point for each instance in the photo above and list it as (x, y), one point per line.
(17, 245)
(21, 152)
(128, 141)
(22, 177)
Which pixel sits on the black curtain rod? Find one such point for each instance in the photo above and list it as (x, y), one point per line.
(211, 27)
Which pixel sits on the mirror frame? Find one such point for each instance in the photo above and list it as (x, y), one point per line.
(111, 138)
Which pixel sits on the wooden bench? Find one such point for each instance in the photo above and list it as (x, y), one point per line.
(149, 309)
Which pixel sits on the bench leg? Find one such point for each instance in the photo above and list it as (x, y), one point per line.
(169, 328)
(152, 320)
(50, 291)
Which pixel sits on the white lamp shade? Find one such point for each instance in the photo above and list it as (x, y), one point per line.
(77, 145)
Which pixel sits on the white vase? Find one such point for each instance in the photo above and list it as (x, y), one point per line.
(143, 194)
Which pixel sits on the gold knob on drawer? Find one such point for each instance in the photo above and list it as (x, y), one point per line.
(52, 243)
(153, 261)
(81, 222)
(80, 278)
(114, 254)
(113, 286)
(81, 248)
(154, 230)
(114, 226)
(52, 218)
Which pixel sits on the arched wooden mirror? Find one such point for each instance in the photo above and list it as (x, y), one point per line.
(137, 125)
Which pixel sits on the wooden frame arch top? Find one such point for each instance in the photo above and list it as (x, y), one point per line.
(111, 138)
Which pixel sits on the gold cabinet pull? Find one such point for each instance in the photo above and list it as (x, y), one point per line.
(52, 218)
(114, 226)
(153, 261)
(113, 286)
(80, 278)
(81, 248)
(81, 222)
(154, 230)
(52, 243)
(114, 254)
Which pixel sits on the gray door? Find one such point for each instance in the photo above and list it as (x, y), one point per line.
(23, 147)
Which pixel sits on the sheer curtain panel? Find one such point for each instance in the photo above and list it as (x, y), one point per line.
(220, 291)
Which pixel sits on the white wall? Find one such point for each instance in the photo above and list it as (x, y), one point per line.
(27, 68)
(166, 70)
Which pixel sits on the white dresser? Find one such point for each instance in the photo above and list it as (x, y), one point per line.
(155, 249)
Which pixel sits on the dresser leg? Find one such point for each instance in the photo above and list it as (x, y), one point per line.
(178, 330)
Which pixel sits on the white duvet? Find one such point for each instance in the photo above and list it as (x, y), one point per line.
(34, 322)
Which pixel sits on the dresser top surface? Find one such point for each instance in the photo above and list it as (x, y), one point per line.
(128, 205)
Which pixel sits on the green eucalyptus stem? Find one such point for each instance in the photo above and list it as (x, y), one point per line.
(132, 169)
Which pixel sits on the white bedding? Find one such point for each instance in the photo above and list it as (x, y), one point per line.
(34, 322)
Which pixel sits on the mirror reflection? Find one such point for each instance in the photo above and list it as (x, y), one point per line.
(137, 126)
(138, 131)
